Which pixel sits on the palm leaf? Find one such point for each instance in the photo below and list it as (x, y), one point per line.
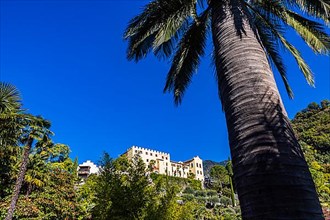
(10, 99)
(156, 25)
(186, 60)
(165, 49)
(271, 46)
(286, 45)
(312, 32)
(316, 8)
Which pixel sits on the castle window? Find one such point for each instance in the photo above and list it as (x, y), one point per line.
(156, 155)
(150, 154)
(147, 160)
(146, 153)
(135, 151)
(192, 165)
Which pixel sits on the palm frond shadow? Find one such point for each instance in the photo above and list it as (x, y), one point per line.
(264, 146)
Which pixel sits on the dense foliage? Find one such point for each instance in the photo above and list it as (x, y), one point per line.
(126, 190)
(48, 190)
(312, 125)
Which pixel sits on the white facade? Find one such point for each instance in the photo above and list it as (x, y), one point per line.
(161, 163)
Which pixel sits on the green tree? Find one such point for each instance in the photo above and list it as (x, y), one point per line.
(36, 130)
(151, 165)
(11, 126)
(219, 177)
(48, 190)
(312, 126)
(123, 191)
(86, 197)
(266, 156)
(45, 157)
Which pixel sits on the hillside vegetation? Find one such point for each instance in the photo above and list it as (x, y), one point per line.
(312, 126)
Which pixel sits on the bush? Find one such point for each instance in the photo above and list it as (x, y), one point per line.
(211, 193)
(225, 201)
(189, 190)
(214, 199)
(201, 193)
(188, 197)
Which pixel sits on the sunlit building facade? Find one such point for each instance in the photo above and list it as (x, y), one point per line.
(160, 162)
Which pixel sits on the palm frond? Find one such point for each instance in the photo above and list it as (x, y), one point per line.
(156, 25)
(165, 49)
(312, 32)
(138, 21)
(303, 66)
(271, 46)
(12, 125)
(171, 26)
(186, 60)
(316, 8)
(10, 99)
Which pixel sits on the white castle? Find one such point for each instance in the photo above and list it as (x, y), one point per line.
(161, 163)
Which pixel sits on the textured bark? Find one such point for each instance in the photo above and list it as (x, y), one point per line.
(19, 181)
(271, 175)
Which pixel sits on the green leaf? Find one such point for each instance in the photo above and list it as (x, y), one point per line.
(155, 26)
(186, 60)
(287, 46)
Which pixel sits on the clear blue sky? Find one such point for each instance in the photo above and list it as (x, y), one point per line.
(68, 60)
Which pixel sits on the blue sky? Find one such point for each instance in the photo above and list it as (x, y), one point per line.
(68, 60)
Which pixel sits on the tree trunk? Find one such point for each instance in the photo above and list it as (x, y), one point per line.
(270, 173)
(20, 178)
(29, 190)
(232, 193)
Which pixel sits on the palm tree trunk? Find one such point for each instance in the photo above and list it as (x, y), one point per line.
(271, 175)
(19, 181)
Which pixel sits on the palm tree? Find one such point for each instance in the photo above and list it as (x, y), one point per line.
(10, 99)
(18, 127)
(10, 106)
(37, 129)
(36, 174)
(10, 130)
(44, 158)
(271, 175)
